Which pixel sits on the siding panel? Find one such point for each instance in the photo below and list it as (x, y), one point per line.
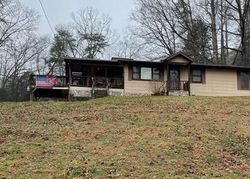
(139, 87)
(219, 82)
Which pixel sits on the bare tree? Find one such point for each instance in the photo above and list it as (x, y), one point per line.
(247, 36)
(19, 54)
(222, 24)
(14, 19)
(213, 14)
(128, 47)
(92, 32)
(157, 24)
(20, 47)
(241, 9)
(170, 25)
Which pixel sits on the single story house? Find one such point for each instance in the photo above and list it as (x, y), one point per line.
(176, 75)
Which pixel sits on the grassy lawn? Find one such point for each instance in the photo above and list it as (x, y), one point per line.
(123, 137)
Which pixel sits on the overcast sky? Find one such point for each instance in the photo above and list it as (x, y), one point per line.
(59, 11)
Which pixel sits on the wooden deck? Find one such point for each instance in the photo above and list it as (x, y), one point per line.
(65, 88)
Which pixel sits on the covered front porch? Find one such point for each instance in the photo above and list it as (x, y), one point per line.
(94, 74)
(178, 69)
(83, 79)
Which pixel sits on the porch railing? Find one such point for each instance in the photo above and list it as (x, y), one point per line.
(177, 86)
(60, 81)
(97, 82)
(81, 81)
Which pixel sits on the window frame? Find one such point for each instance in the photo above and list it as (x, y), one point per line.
(201, 75)
(240, 82)
(140, 73)
(154, 73)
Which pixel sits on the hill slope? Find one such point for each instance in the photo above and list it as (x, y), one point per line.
(126, 137)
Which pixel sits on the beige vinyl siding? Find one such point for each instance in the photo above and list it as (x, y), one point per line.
(179, 60)
(219, 82)
(137, 87)
(184, 73)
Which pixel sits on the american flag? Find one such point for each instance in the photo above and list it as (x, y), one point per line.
(46, 81)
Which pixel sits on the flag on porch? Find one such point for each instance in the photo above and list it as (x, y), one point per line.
(46, 81)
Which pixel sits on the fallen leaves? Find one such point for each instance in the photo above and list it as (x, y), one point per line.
(137, 137)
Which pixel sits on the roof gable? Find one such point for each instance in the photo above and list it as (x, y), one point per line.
(178, 58)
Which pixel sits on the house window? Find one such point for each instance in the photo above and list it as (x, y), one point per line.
(244, 80)
(146, 73)
(136, 73)
(156, 74)
(197, 76)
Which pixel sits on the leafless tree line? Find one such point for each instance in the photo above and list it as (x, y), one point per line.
(20, 46)
(212, 31)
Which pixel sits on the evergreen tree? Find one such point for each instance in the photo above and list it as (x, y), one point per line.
(63, 46)
(95, 44)
(197, 43)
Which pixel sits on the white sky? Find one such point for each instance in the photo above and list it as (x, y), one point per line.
(59, 11)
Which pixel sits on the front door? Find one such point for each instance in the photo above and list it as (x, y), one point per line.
(174, 77)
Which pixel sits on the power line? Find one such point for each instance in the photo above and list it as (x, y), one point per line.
(45, 14)
(48, 21)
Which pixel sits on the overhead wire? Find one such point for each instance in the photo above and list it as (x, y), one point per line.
(50, 26)
(46, 16)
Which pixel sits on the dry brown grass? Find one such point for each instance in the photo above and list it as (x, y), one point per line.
(140, 137)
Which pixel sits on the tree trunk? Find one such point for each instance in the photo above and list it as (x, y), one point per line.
(214, 32)
(223, 58)
(247, 35)
(227, 37)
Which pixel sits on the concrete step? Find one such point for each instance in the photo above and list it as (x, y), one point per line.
(178, 93)
(100, 93)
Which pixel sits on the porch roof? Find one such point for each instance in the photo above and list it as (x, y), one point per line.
(91, 61)
(116, 61)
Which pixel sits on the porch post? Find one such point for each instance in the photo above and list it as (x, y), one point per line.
(93, 88)
(70, 80)
(91, 76)
(189, 79)
(67, 71)
(70, 74)
(167, 75)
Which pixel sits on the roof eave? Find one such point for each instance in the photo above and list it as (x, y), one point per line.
(176, 55)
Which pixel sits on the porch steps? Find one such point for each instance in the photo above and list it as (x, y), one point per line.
(99, 93)
(88, 93)
(178, 93)
(80, 93)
